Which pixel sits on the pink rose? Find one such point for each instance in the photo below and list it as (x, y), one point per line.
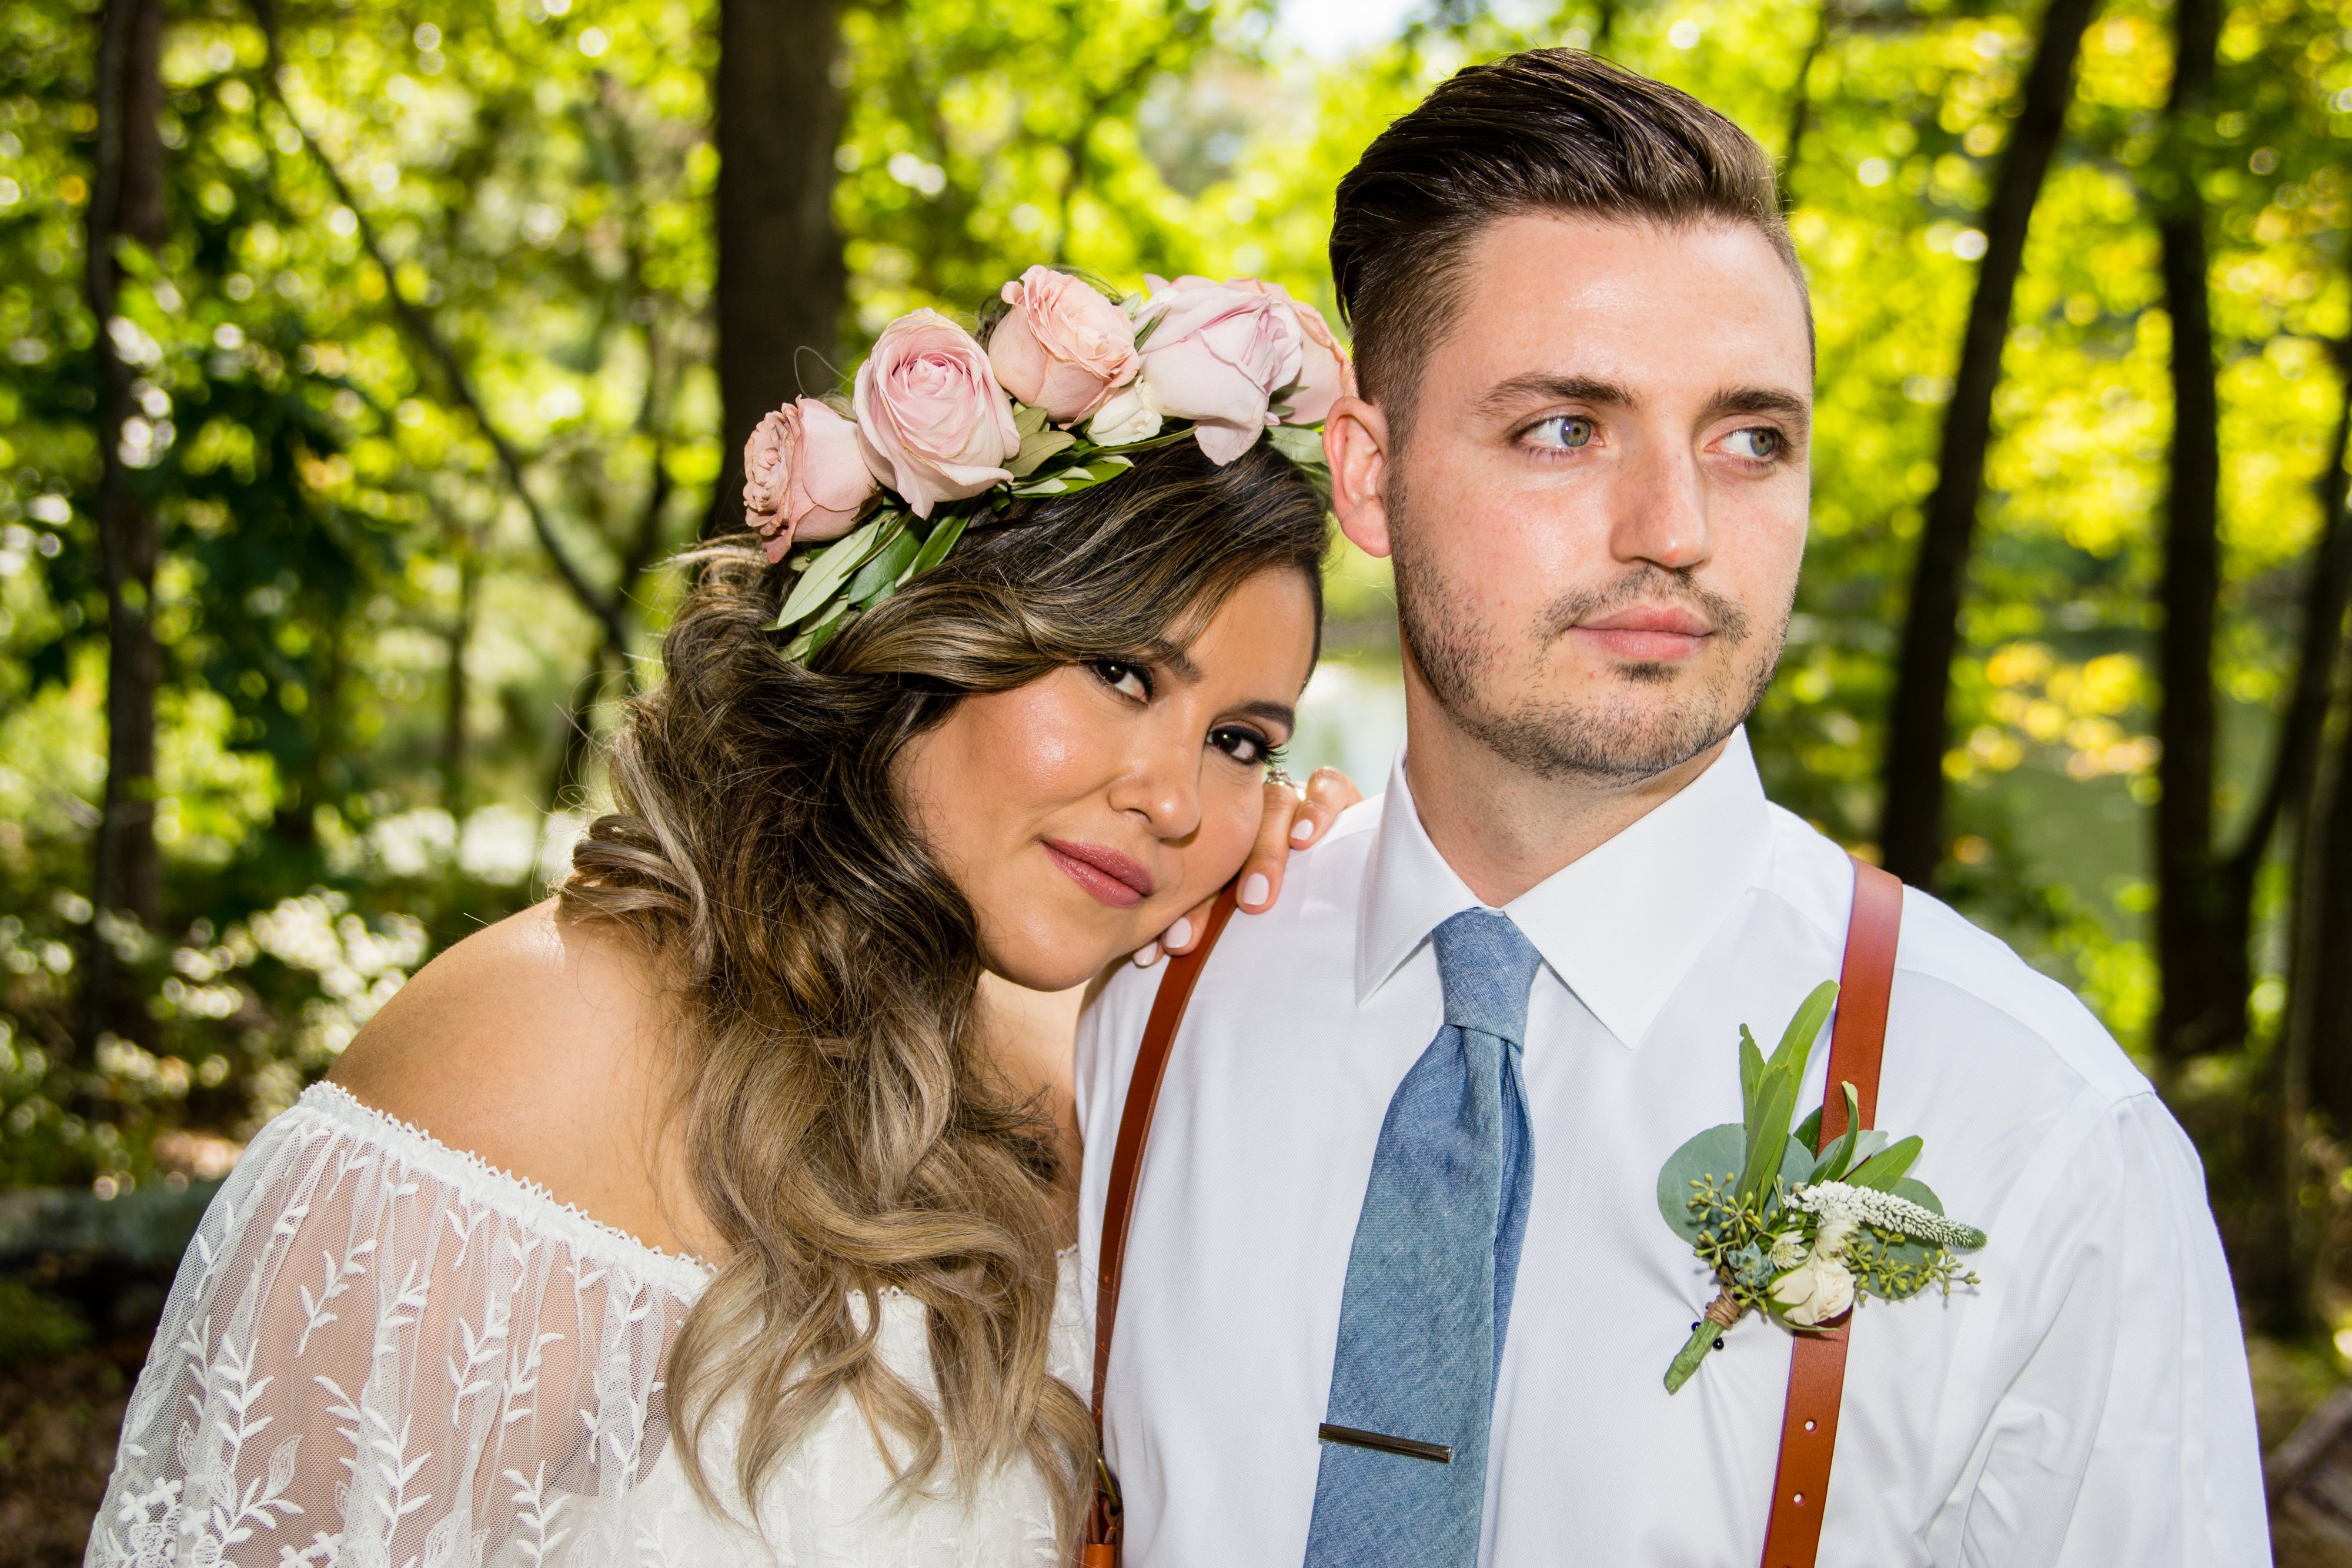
(1219, 354)
(804, 475)
(933, 421)
(1324, 375)
(1063, 347)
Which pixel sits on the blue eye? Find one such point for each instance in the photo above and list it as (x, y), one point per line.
(1760, 445)
(1562, 431)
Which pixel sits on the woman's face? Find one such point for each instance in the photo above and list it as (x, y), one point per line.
(1082, 812)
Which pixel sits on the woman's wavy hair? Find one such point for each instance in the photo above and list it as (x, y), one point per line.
(847, 1131)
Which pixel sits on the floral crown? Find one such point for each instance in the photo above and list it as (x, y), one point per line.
(941, 432)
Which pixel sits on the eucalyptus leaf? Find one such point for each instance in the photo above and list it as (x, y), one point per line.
(1035, 448)
(1884, 1169)
(1718, 1153)
(831, 568)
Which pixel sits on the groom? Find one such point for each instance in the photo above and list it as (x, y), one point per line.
(1586, 358)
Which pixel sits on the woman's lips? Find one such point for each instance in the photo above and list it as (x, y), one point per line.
(1109, 875)
(1650, 636)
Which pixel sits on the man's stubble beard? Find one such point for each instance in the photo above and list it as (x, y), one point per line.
(1609, 739)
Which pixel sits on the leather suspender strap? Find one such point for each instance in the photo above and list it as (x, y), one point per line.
(1800, 1484)
(1100, 1548)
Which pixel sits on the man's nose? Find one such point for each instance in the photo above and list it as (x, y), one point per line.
(1661, 515)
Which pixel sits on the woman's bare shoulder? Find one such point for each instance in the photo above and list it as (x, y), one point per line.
(544, 1044)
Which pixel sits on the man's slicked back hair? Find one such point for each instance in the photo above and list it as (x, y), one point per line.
(1549, 130)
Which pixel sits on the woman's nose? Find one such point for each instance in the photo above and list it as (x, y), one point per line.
(1163, 785)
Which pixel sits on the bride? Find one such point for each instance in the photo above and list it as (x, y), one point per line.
(717, 1210)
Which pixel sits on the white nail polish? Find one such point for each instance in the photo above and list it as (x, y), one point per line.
(1147, 956)
(1302, 830)
(1179, 933)
(1255, 889)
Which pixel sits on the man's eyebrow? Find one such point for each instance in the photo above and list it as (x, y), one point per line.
(1761, 400)
(1543, 386)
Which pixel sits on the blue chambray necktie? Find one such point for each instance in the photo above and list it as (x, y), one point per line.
(1428, 1296)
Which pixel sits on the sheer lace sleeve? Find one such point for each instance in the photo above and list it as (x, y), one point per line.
(381, 1351)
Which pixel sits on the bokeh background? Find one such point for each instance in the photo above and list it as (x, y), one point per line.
(363, 360)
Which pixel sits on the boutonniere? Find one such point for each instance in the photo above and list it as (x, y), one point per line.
(1797, 1235)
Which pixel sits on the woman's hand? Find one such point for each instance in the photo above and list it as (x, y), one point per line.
(1292, 822)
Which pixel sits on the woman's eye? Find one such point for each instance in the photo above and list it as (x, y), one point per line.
(1244, 746)
(1562, 432)
(1128, 681)
(1758, 445)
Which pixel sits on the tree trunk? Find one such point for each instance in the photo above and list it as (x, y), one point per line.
(2200, 955)
(126, 203)
(1911, 832)
(780, 275)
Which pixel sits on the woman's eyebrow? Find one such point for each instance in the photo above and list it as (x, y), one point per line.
(1273, 713)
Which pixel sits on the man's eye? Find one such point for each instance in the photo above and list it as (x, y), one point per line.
(1246, 747)
(1128, 681)
(1563, 432)
(1758, 445)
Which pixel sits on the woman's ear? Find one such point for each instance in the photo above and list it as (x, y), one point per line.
(1356, 445)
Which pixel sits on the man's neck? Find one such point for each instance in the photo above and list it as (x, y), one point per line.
(1502, 828)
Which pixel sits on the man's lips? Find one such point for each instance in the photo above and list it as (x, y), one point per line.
(1650, 633)
(1109, 875)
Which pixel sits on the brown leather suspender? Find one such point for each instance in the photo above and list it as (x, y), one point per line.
(1817, 1368)
(1801, 1483)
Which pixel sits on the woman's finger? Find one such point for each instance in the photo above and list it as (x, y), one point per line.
(1328, 793)
(1183, 935)
(1262, 872)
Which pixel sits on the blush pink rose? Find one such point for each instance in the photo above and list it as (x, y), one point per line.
(934, 423)
(1063, 347)
(1325, 376)
(1219, 353)
(804, 475)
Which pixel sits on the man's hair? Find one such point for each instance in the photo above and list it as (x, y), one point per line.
(1550, 130)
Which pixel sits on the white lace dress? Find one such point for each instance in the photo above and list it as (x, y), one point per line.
(384, 1353)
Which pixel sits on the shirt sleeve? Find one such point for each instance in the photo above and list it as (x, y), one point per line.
(2125, 1432)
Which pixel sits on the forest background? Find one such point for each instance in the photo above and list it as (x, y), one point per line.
(361, 362)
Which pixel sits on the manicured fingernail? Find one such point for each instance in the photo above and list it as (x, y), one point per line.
(1147, 956)
(1178, 934)
(1255, 889)
(1302, 830)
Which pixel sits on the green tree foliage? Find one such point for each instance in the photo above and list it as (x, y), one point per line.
(425, 393)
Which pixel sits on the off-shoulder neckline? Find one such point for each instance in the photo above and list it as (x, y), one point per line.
(527, 1201)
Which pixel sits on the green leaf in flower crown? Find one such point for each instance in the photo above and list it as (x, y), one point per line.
(1078, 477)
(1027, 420)
(1884, 1169)
(879, 576)
(944, 534)
(1299, 443)
(804, 646)
(831, 568)
(1036, 448)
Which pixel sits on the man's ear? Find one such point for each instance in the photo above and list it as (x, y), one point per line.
(1356, 445)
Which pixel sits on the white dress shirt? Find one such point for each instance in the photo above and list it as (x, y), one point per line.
(2086, 1405)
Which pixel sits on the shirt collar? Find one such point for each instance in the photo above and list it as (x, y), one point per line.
(1619, 926)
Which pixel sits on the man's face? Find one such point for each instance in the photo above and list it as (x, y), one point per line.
(1599, 508)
